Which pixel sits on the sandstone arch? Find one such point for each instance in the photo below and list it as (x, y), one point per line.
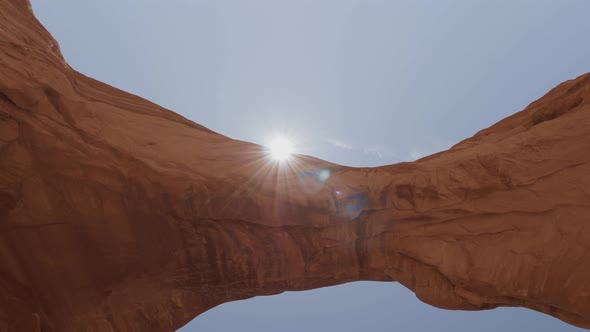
(116, 214)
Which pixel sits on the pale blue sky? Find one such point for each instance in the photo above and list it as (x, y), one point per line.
(354, 82)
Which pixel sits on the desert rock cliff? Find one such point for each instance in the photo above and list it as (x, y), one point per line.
(119, 215)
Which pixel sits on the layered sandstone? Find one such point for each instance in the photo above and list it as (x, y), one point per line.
(119, 215)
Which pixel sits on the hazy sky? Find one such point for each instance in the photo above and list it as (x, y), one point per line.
(354, 82)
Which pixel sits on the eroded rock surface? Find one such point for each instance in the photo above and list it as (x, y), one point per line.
(119, 215)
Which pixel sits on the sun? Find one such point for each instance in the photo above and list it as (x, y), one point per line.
(280, 149)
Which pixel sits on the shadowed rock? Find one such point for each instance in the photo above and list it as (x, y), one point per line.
(119, 215)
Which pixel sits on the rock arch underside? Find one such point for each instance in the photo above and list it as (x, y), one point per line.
(119, 215)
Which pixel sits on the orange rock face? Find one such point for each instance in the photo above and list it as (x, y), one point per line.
(119, 215)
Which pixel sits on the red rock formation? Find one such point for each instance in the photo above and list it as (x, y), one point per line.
(119, 215)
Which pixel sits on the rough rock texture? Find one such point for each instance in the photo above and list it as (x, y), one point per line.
(119, 215)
